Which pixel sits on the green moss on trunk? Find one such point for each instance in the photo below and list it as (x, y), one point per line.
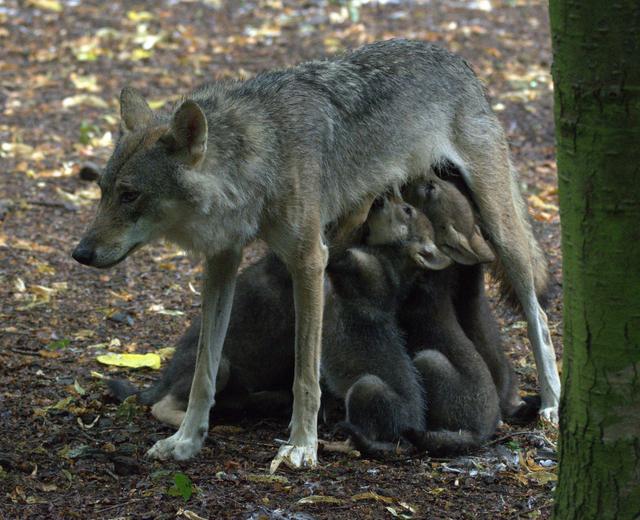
(597, 110)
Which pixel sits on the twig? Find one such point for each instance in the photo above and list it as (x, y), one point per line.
(24, 352)
(53, 204)
(119, 505)
(512, 434)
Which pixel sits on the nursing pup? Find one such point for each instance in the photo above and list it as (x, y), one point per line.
(457, 233)
(256, 368)
(282, 155)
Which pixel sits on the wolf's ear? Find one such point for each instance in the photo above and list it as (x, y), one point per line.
(467, 251)
(134, 110)
(428, 256)
(189, 131)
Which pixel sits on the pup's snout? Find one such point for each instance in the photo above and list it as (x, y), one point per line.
(84, 254)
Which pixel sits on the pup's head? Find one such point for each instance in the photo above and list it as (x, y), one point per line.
(456, 230)
(141, 196)
(399, 246)
(391, 220)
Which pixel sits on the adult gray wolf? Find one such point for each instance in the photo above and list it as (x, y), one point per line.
(284, 154)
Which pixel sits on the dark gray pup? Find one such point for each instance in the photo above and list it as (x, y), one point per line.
(469, 382)
(446, 202)
(256, 368)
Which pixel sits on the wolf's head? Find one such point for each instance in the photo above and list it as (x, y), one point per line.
(142, 198)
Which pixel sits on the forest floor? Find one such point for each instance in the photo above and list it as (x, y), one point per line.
(67, 450)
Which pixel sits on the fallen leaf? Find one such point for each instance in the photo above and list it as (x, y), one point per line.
(49, 5)
(320, 499)
(370, 495)
(189, 514)
(78, 388)
(158, 308)
(166, 353)
(149, 360)
(542, 477)
(88, 83)
(267, 479)
(84, 100)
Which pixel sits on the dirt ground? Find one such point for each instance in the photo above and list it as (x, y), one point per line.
(67, 450)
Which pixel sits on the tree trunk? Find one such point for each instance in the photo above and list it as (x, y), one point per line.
(597, 111)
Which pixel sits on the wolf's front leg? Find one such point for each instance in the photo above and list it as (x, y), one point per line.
(217, 298)
(307, 273)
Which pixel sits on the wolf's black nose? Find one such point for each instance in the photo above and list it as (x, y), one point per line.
(83, 254)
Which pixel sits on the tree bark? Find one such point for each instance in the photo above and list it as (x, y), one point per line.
(596, 74)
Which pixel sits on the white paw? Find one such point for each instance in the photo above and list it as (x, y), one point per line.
(295, 457)
(175, 447)
(550, 415)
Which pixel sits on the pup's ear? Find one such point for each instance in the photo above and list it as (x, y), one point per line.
(189, 132)
(428, 256)
(134, 110)
(467, 251)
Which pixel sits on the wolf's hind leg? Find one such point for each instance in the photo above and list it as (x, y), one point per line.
(217, 297)
(492, 180)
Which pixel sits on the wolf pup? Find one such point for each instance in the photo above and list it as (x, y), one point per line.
(256, 367)
(364, 358)
(284, 154)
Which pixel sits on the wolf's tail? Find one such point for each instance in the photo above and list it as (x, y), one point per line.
(368, 447)
(442, 442)
(121, 389)
(527, 412)
(539, 262)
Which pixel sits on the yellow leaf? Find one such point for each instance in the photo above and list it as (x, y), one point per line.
(139, 16)
(543, 477)
(88, 83)
(166, 353)
(49, 5)
(370, 495)
(320, 499)
(85, 100)
(538, 203)
(149, 360)
(140, 54)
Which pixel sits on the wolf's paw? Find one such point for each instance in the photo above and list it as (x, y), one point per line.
(295, 457)
(550, 415)
(175, 447)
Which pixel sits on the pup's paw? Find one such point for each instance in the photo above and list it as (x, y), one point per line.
(175, 447)
(550, 415)
(295, 457)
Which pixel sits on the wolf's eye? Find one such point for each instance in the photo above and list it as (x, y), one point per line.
(408, 210)
(127, 197)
